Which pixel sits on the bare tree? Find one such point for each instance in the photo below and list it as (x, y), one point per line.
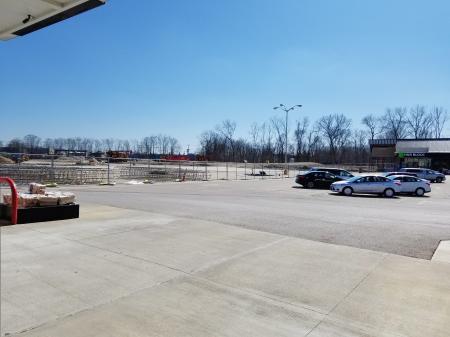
(419, 122)
(278, 125)
(255, 133)
(16, 144)
(174, 145)
(373, 125)
(150, 144)
(31, 142)
(227, 129)
(136, 146)
(213, 145)
(439, 118)
(108, 143)
(359, 151)
(163, 144)
(395, 123)
(98, 145)
(314, 145)
(87, 144)
(77, 143)
(299, 137)
(49, 143)
(60, 143)
(335, 128)
(266, 142)
(126, 145)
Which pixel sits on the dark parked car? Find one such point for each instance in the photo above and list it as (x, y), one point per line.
(343, 174)
(389, 174)
(316, 179)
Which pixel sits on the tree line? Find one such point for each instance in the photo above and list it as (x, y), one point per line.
(401, 122)
(155, 144)
(330, 139)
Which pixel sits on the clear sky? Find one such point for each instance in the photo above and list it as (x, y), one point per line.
(133, 68)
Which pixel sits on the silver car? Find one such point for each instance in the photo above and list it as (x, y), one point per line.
(412, 185)
(427, 174)
(367, 185)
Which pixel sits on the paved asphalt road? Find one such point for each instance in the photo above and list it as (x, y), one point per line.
(408, 226)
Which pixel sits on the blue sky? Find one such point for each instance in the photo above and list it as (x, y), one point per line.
(180, 67)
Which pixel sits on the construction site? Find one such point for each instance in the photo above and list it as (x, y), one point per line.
(110, 229)
(80, 170)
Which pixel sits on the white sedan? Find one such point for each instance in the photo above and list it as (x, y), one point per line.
(367, 185)
(412, 185)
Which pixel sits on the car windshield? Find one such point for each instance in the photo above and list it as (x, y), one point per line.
(353, 179)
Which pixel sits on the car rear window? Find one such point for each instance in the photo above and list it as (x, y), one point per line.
(328, 170)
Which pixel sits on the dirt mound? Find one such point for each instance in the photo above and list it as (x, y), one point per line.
(4, 160)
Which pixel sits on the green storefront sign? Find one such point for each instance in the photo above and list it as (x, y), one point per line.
(402, 155)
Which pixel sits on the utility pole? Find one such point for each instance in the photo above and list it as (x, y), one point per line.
(286, 110)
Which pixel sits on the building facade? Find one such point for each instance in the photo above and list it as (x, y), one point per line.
(391, 154)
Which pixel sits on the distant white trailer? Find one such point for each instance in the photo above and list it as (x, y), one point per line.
(21, 17)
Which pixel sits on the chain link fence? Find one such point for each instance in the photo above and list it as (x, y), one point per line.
(80, 170)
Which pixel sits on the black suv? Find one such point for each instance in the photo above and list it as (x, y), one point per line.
(316, 179)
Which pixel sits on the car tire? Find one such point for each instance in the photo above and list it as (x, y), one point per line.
(388, 193)
(310, 184)
(420, 192)
(348, 191)
(439, 180)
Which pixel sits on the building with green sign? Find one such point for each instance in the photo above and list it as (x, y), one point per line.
(391, 154)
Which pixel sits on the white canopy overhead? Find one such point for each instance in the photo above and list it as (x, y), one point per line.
(21, 17)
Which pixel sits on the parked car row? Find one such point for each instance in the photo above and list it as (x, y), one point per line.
(407, 180)
(387, 187)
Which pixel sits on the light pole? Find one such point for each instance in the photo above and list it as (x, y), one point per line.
(286, 110)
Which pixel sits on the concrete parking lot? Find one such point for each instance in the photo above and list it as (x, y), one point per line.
(405, 225)
(245, 258)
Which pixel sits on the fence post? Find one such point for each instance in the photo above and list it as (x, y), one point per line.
(129, 170)
(165, 171)
(262, 170)
(19, 172)
(217, 170)
(227, 170)
(108, 180)
(52, 177)
(245, 170)
(206, 170)
(236, 170)
(179, 170)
